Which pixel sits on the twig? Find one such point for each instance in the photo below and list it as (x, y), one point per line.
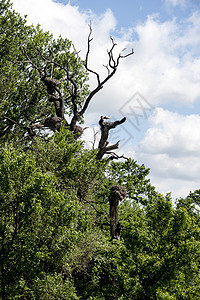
(87, 56)
(115, 156)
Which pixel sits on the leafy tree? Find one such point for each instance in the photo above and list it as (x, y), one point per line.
(55, 244)
(191, 203)
(50, 82)
(35, 219)
(26, 58)
(54, 194)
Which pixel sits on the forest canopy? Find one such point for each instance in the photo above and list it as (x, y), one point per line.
(78, 223)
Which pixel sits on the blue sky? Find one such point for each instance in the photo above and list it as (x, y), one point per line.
(129, 12)
(157, 88)
(126, 12)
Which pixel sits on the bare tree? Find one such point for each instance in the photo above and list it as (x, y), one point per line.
(57, 95)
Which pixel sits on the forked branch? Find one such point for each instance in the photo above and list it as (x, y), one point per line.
(111, 69)
(57, 94)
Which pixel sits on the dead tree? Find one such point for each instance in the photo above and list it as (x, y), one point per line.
(103, 143)
(118, 193)
(111, 67)
(70, 97)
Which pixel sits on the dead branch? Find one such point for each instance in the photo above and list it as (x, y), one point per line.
(53, 87)
(113, 155)
(111, 68)
(87, 56)
(107, 67)
(75, 51)
(103, 143)
(95, 138)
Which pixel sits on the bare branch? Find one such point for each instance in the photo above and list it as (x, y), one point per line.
(56, 94)
(103, 143)
(89, 98)
(124, 56)
(107, 67)
(128, 54)
(112, 64)
(75, 51)
(113, 156)
(115, 63)
(87, 56)
(95, 133)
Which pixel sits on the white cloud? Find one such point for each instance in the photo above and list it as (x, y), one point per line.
(165, 69)
(171, 149)
(165, 66)
(175, 134)
(184, 4)
(60, 19)
(168, 67)
(176, 2)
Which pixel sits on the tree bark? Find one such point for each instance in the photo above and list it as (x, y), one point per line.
(118, 193)
(103, 143)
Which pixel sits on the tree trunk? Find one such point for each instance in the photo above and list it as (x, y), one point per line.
(118, 193)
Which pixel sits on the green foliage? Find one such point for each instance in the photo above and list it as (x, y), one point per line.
(54, 198)
(24, 99)
(191, 203)
(35, 220)
(133, 176)
(55, 240)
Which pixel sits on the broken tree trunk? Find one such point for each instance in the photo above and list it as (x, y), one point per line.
(118, 193)
(103, 143)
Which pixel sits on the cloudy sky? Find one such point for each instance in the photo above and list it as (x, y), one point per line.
(157, 88)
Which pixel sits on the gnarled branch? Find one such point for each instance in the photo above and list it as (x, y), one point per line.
(103, 143)
(56, 93)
